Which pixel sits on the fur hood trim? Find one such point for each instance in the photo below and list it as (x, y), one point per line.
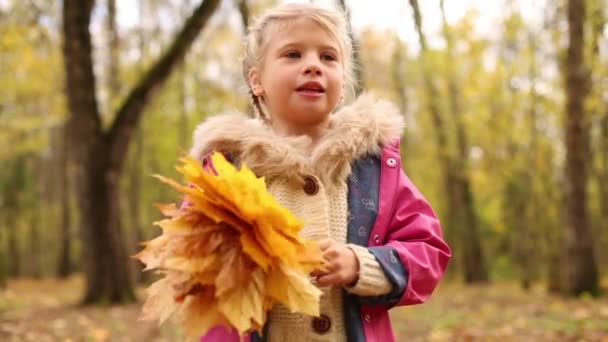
(361, 128)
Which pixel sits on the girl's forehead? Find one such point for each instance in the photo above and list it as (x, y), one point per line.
(299, 30)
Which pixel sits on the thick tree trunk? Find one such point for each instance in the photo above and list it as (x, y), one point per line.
(475, 269)
(100, 155)
(580, 267)
(107, 276)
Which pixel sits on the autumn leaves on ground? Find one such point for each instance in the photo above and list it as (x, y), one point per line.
(46, 310)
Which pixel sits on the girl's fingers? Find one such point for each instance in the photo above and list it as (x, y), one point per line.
(317, 273)
(328, 280)
(325, 243)
(331, 253)
(328, 267)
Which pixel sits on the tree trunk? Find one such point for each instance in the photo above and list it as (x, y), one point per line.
(15, 185)
(603, 183)
(183, 131)
(399, 76)
(598, 25)
(3, 264)
(14, 264)
(64, 266)
(135, 172)
(514, 204)
(244, 12)
(400, 89)
(35, 250)
(580, 268)
(529, 238)
(440, 133)
(113, 70)
(100, 155)
(474, 262)
(96, 179)
(134, 201)
(183, 139)
(37, 203)
(358, 67)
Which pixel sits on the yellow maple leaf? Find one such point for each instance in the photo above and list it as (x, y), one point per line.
(241, 306)
(293, 289)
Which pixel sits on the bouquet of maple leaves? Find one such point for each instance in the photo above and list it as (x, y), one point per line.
(229, 255)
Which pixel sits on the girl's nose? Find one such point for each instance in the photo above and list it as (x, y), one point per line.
(312, 67)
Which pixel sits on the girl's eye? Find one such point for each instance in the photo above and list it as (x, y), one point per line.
(328, 57)
(292, 54)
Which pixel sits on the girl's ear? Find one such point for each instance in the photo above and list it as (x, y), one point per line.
(254, 82)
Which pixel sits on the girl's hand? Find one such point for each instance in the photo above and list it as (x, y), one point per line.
(341, 265)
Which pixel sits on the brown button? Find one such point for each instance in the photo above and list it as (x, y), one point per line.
(310, 186)
(321, 324)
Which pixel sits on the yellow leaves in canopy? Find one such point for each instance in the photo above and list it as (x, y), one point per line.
(229, 254)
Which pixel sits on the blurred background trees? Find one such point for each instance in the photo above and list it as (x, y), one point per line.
(507, 129)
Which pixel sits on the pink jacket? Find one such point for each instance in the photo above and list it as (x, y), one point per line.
(407, 223)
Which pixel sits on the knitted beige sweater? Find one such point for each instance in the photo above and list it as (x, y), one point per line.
(325, 216)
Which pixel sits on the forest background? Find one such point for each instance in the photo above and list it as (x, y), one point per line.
(506, 104)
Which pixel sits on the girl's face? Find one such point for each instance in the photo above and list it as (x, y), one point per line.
(301, 78)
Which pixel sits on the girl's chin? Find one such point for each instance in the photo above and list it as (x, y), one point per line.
(316, 119)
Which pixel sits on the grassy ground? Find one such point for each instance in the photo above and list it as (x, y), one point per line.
(46, 311)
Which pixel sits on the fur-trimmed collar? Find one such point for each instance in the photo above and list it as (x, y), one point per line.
(355, 130)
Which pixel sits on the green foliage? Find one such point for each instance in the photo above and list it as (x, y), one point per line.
(31, 99)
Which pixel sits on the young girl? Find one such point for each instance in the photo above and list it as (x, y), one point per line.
(338, 170)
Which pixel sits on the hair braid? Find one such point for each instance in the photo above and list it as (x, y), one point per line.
(258, 111)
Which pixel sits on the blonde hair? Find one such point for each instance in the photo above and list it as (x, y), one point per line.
(256, 42)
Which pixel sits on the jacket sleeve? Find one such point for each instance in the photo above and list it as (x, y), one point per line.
(414, 256)
(414, 234)
(373, 280)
